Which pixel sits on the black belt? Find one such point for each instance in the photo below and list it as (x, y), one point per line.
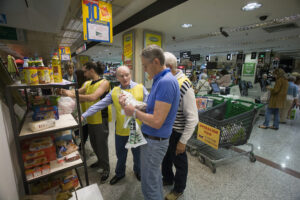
(153, 137)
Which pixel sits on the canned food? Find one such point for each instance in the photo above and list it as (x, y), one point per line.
(32, 76)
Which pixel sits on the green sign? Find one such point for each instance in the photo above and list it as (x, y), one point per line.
(249, 69)
(7, 33)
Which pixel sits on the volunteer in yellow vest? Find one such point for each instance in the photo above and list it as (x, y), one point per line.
(121, 137)
(93, 91)
(183, 128)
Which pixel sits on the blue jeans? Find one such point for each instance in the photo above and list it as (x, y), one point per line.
(275, 112)
(152, 155)
(121, 151)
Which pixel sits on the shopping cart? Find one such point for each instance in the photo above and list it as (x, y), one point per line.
(233, 120)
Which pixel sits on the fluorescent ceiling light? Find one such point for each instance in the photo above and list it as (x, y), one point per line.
(251, 6)
(186, 25)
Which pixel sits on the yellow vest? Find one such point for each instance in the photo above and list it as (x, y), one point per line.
(90, 89)
(182, 79)
(138, 93)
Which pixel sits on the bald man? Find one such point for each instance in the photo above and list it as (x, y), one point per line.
(121, 137)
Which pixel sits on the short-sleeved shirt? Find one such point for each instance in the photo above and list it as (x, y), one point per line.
(165, 88)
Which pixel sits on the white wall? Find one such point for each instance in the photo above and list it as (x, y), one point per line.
(11, 186)
(249, 60)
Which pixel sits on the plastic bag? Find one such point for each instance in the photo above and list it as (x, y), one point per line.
(66, 105)
(136, 137)
(265, 96)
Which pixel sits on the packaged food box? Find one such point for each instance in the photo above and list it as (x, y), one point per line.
(35, 162)
(45, 112)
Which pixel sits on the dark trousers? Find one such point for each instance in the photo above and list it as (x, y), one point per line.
(180, 162)
(99, 140)
(121, 151)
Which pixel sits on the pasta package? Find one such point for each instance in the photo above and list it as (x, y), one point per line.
(41, 125)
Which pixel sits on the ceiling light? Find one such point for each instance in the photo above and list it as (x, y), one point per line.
(287, 157)
(283, 165)
(186, 25)
(251, 6)
(258, 147)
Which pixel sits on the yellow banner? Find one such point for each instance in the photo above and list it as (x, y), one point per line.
(128, 49)
(83, 59)
(209, 135)
(97, 21)
(64, 53)
(152, 38)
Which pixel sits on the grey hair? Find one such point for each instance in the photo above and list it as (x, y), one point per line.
(204, 76)
(122, 67)
(153, 51)
(291, 78)
(170, 60)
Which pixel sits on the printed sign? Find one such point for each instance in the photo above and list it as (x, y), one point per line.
(151, 38)
(64, 53)
(97, 21)
(209, 135)
(128, 49)
(249, 69)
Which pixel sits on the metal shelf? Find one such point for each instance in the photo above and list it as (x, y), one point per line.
(63, 84)
(56, 168)
(65, 122)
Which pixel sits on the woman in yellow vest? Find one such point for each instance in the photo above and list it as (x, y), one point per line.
(140, 93)
(93, 91)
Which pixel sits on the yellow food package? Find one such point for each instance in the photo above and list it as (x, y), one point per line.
(32, 76)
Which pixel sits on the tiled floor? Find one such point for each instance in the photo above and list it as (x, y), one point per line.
(237, 179)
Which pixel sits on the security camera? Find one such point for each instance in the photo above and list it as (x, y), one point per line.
(263, 17)
(173, 38)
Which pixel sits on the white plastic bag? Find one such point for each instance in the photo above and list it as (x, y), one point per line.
(66, 105)
(265, 96)
(136, 137)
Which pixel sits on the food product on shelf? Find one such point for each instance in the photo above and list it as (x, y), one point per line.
(45, 112)
(35, 162)
(41, 125)
(64, 148)
(38, 147)
(31, 76)
(43, 74)
(56, 67)
(72, 157)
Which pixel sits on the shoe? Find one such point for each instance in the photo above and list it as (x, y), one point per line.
(115, 179)
(263, 126)
(104, 176)
(94, 165)
(166, 183)
(138, 176)
(274, 128)
(173, 195)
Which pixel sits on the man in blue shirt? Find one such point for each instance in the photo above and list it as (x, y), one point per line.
(121, 136)
(162, 105)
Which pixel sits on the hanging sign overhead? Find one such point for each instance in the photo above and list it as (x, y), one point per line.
(97, 21)
(64, 53)
(128, 49)
(152, 38)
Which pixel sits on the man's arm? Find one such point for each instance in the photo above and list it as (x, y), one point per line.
(104, 86)
(100, 105)
(155, 120)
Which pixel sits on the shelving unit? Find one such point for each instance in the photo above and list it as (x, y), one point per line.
(65, 122)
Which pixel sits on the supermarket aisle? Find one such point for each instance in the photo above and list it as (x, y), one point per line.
(238, 179)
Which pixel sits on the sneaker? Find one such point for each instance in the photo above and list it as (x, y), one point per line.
(104, 176)
(173, 195)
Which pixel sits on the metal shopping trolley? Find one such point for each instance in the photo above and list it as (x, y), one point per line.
(222, 127)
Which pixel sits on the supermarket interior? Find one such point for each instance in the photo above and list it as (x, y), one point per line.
(205, 95)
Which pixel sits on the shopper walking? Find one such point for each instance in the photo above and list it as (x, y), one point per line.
(291, 98)
(277, 99)
(162, 105)
(203, 86)
(183, 128)
(91, 93)
(140, 93)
